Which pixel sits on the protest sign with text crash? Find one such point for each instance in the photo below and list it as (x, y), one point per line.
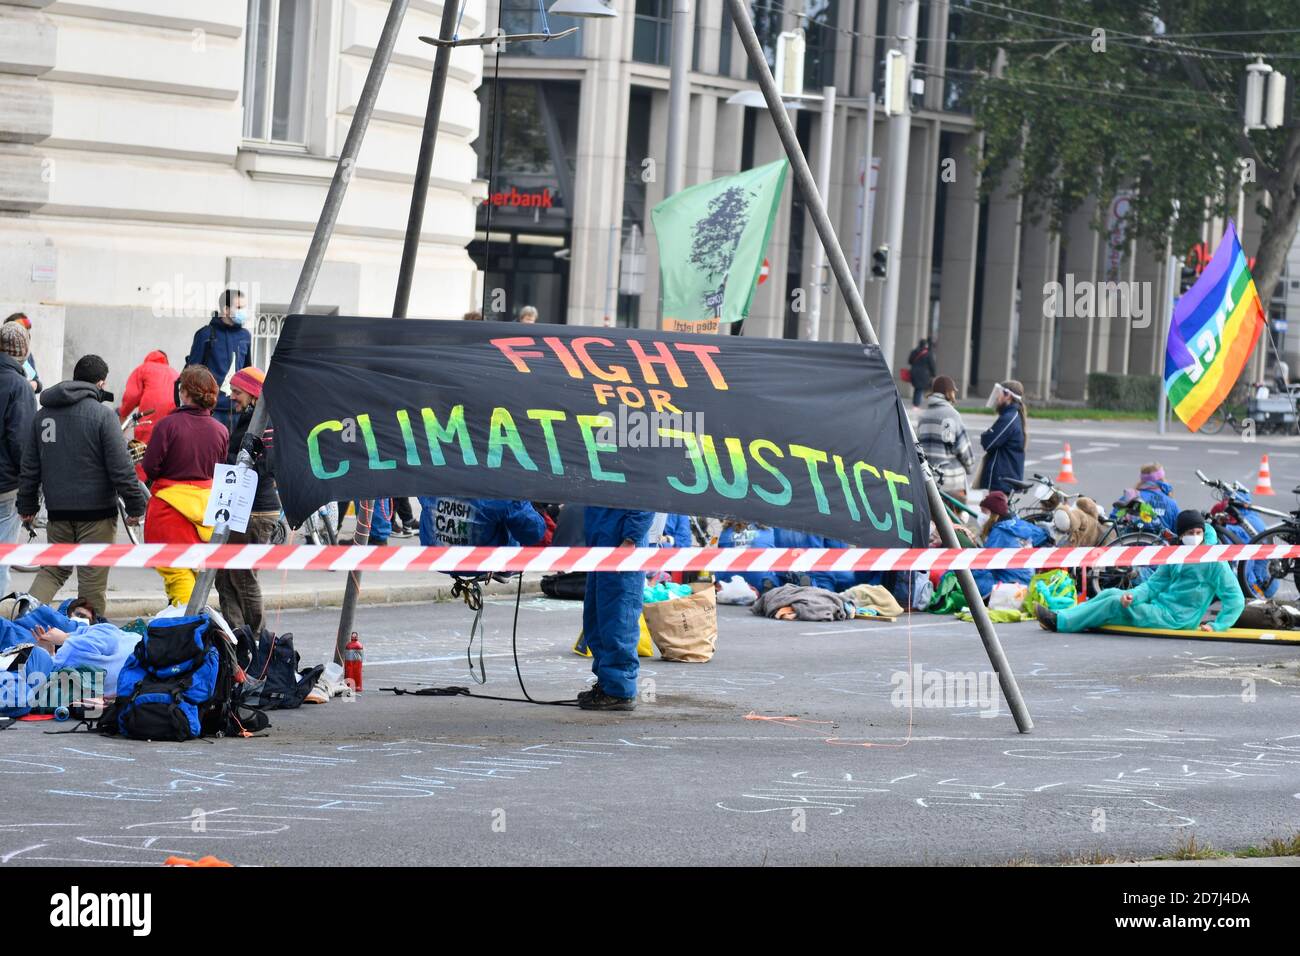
(803, 435)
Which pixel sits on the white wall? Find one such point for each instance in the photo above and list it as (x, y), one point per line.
(131, 199)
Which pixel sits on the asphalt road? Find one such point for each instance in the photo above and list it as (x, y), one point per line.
(794, 745)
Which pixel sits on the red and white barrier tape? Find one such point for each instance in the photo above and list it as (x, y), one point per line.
(288, 557)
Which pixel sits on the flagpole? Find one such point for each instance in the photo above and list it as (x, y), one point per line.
(862, 322)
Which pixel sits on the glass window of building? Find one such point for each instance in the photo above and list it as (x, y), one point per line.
(653, 31)
(960, 59)
(724, 49)
(527, 147)
(768, 24)
(820, 36)
(523, 16)
(276, 64)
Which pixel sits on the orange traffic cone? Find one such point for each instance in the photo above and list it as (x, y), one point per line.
(1264, 486)
(1066, 477)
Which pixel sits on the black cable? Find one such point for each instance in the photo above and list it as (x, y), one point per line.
(472, 591)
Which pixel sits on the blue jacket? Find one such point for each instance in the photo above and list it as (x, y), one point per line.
(218, 346)
(479, 522)
(830, 580)
(610, 527)
(677, 532)
(1156, 494)
(1011, 533)
(1004, 451)
(750, 538)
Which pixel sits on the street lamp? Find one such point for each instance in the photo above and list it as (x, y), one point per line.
(828, 100)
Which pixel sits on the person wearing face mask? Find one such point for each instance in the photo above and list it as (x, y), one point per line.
(1176, 597)
(222, 347)
(76, 457)
(1004, 442)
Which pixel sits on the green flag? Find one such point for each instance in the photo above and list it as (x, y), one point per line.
(711, 242)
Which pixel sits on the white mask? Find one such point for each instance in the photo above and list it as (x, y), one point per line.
(1193, 538)
(1061, 520)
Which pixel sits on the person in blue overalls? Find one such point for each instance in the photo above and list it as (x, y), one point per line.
(611, 610)
(479, 522)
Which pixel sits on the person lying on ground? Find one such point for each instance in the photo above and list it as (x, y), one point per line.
(791, 602)
(1176, 597)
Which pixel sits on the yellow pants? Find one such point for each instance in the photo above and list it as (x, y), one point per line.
(179, 584)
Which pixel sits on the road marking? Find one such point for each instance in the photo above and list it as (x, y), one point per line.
(1086, 451)
(1164, 447)
(1278, 454)
(1221, 451)
(874, 628)
(1105, 444)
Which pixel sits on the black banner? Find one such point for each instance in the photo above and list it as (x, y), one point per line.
(802, 435)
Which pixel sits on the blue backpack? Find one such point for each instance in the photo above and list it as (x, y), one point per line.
(178, 684)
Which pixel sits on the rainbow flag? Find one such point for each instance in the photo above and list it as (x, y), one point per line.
(1216, 325)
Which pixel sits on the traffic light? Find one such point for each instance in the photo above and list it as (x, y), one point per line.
(880, 262)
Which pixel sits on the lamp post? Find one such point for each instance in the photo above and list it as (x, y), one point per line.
(825, 145)
(900, 135)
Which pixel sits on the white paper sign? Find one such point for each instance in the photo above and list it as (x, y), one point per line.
(231, 500)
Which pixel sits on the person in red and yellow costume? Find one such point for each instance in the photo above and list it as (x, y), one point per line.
(183, 450)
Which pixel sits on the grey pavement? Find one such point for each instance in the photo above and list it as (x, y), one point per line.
(794, 745)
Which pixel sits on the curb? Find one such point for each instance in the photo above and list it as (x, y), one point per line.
(133, 606)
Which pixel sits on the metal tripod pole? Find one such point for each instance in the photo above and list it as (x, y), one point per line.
(840, 267)
(316, 251)
(406, 272)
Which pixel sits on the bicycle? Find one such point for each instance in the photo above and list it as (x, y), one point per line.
(134, 532)
(1276, 578)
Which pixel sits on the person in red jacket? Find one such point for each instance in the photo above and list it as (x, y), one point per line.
(151, 388)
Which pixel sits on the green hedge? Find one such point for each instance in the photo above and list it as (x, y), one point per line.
(1124, 393)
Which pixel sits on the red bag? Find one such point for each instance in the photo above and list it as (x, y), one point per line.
(905, 374)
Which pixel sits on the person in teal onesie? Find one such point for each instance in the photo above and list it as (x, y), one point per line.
(1175, 598)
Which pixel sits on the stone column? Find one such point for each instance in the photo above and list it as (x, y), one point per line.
(1039, 262)
(1082, 247)
(1000, 269)
(957, 280)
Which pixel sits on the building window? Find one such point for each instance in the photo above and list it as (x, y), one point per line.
(724, 49)
(820, 35)
(653, 31)
(767, 19)
(276, 66)
(523, 16)
(960, 60)
(266, 332)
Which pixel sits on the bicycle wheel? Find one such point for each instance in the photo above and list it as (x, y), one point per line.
(1214, 424)
(1277, 579)
(1122, 576)
(328, 526)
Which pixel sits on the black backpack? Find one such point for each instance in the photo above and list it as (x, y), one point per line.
(274, 679)
(565, 585)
